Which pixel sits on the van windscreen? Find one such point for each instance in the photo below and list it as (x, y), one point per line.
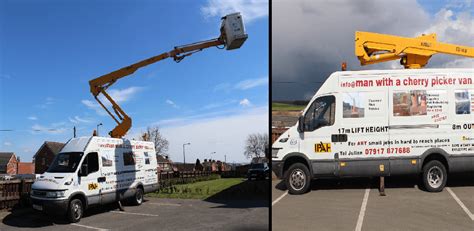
(66, 162)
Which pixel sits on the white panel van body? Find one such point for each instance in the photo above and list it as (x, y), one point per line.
(94, 171)
(382, 123)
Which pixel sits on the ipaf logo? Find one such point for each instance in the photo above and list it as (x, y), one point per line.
(322, 147)
(93, 186)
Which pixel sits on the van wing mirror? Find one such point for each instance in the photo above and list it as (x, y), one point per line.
(300, 124)
(83, 170)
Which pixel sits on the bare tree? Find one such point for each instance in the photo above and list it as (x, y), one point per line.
(153, 134)
(255, 145)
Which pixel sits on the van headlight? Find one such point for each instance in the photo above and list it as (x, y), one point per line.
(55, 194)
(69, 182)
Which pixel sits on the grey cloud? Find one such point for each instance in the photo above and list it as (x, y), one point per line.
(311, 38)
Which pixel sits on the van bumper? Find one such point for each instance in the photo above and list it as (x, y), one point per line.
(50, 206)
(277, 168)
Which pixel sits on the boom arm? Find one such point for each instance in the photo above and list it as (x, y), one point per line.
(232, 37)
(373, 48)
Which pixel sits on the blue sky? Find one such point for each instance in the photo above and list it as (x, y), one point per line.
(49, 50)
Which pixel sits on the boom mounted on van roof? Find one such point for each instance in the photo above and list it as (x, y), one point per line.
(232, 37)
(413, 53)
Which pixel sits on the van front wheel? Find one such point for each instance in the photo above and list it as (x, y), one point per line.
(75, 211)
(434, 176)
(298, 179)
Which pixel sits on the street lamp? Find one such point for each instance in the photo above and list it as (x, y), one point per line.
(98, 128)
(184, 155)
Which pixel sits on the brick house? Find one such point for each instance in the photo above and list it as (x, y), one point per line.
(164, 164)
(26, 168)
(210, 165)
(45, 155)
(8, 163)
(188, 167)
(223, 167)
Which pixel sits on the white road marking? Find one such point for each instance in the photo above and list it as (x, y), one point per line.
(360, 220)
(279, 198)
(460, 203)
(141, 214)
(89, 227)
(170, 204)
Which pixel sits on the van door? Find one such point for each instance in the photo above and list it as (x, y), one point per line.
(89, 177)
(318, 125)
(108, 178)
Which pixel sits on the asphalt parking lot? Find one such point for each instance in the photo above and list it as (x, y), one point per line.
(153, 214)
(355, 204)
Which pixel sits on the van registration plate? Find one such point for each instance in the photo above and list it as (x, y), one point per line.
(38, 207)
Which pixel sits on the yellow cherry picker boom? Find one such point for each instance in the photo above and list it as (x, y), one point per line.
(413, 53)
(232, 36)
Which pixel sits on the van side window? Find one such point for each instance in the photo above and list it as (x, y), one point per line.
(321, 113)
(92, 161)
(147, 158)
(128, 158)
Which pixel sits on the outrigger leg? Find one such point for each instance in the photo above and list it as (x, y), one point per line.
(382, 186)
(120, 206)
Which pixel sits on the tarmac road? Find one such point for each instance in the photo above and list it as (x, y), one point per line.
(153, 214)
(355, 204)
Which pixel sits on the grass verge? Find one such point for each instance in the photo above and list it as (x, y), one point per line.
(198, 190)
(286, 107)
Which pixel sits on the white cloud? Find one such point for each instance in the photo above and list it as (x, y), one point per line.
(222, 87)
(452, 27)
(55, 128)
(224, 134)
(32, 118)
(78, 119)
(250, 9)
(94, 106)
(118, 95)
(172, 104)
(251, 83)
(460, 63)
(123, 95)
(47, 102)
(180, 121)
(245, 103)
(7, 143)
(220, 104)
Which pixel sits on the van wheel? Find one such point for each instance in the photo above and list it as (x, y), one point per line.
(138, 198)
(298, 179)
(76, 210)
(434, 176)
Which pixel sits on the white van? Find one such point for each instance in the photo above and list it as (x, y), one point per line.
(94, 171)
(382, 123)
